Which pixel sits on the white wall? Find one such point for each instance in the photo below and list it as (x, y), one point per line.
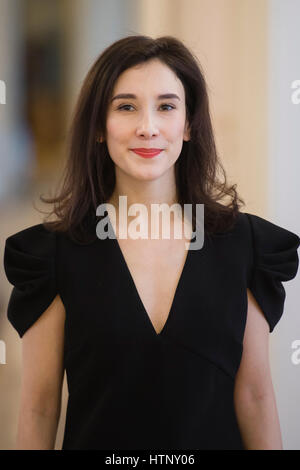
(284, 200)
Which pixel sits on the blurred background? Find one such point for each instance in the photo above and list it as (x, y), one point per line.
(249, 51)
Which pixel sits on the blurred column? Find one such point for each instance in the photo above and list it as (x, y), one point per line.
(92, 25)
(15, 142)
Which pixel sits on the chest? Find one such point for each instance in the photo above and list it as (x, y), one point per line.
(155, 267)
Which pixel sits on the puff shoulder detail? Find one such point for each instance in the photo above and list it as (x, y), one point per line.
(29, 263)
(275, 260)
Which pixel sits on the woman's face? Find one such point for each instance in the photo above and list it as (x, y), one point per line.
(146, 120)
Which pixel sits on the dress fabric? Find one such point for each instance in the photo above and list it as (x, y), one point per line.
(129, 387)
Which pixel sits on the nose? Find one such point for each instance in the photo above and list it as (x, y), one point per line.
(147, 126)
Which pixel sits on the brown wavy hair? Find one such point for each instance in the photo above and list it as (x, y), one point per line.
(88, 179)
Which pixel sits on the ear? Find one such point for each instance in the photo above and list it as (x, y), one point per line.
(99, 139)
(187, 133)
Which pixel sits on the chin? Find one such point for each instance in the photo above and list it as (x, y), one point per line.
(148, 175)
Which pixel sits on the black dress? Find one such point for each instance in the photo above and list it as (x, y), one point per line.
(129, 387)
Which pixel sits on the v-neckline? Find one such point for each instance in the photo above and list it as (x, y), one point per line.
(141, 304)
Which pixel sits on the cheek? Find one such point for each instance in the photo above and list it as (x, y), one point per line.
(116, 140)
(111, 133)
(175, 137)
(116, 131)
(176, 130)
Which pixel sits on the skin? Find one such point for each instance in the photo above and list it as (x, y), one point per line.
(42, 379)
(144, 124)
(254, 397)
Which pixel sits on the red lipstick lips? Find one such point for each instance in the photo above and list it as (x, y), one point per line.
(147, 153)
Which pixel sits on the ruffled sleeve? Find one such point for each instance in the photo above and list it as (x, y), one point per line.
(274, 260)
(29, 263)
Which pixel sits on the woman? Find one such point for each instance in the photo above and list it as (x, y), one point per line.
(163, 347)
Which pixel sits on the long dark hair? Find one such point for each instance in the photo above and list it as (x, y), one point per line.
(88, 179)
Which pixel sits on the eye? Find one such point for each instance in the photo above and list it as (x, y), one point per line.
(170, 105)
(125, 106)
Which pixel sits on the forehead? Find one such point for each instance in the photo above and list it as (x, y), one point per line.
(153, 76)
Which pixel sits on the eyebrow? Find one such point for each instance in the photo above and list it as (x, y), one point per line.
(132, 96)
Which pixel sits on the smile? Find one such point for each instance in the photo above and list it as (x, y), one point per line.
(147, 154)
